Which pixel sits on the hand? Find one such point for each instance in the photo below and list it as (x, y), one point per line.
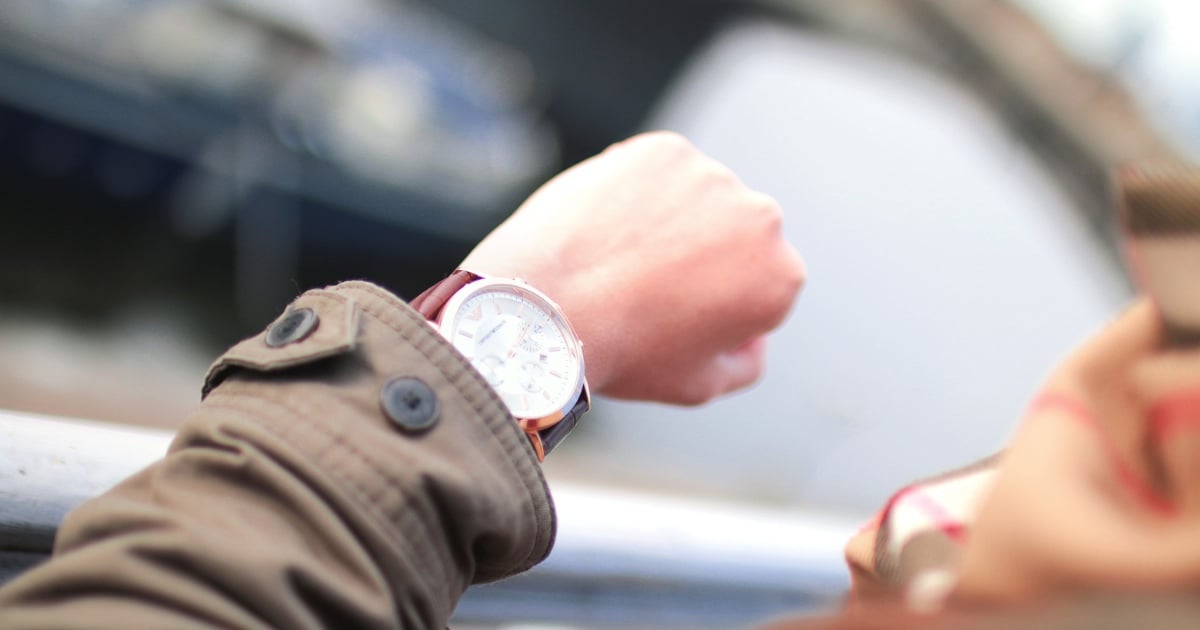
(669, 268)
(1100, 488)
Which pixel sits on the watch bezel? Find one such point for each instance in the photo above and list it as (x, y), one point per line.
(523, 289)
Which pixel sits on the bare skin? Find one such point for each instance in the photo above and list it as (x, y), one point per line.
(1092, 496)
(670, 269)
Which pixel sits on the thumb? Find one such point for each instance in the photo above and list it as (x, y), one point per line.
(744, 365)
(728, 372)
(1131, 336)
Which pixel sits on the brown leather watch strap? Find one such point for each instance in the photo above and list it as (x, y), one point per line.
(545, 440)
(432, 300)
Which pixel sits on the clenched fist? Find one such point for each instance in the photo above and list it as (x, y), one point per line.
(669, 268)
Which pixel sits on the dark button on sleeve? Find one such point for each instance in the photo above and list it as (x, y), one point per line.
(409, 403)
(294, 326)
(317, 326)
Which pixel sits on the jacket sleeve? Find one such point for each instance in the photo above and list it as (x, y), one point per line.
(346, 468)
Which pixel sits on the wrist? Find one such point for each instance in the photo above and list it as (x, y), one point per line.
(593, 322)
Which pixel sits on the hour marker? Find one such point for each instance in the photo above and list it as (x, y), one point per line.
(468, 335)
(555, 374)
(554, 349)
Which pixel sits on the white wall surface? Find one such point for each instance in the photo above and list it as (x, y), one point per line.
(947, 274)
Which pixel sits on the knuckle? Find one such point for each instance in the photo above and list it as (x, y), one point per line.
(796, 275)
(721, 174)
(666, 138)
(760, 212)
(669, 146)
(783, 290)
(772, 214)
(664, 142)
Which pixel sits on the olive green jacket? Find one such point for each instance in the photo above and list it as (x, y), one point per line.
(346, 469)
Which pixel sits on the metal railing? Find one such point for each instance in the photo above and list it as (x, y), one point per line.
(622, 558)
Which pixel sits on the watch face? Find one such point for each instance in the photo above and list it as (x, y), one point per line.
(520, 343)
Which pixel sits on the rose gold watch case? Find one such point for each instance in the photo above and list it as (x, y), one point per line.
(541, 300)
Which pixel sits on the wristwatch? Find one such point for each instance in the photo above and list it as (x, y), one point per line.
(521, 343)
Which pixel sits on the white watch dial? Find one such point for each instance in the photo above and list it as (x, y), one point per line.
(521, 346)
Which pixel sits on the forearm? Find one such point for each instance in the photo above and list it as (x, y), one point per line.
(291, 499)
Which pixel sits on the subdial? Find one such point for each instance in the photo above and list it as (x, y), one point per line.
(531, 377)
(492, 369)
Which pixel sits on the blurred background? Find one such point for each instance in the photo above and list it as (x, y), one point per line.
(175, 171)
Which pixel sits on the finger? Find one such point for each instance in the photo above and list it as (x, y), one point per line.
(774, 297)
(795, 274)
(725, 373)
(745, 365)
(1132, 335)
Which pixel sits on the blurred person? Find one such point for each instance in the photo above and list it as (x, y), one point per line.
(1091, 517)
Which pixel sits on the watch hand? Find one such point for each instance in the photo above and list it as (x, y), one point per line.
(512, 351)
